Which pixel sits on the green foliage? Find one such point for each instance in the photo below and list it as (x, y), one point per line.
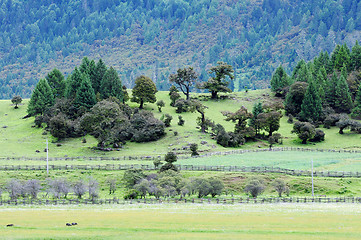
(219, 81)
(170, 158)
(160, 104)
(167, 120)
(144, 91)
(311, 107)
(194, 147)
(16, 100)
(279, 80)
(85, 96)
(41, 99)
(295, 97)
(255, 187)
(184, 78)
(304, 130)
(343, 102)
(280, 186)
(56, 82)
(356, 112)
(111, 85)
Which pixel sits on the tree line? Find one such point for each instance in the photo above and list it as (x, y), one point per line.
(324, 91)
(36, 32)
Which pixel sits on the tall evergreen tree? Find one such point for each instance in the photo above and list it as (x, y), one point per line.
(56, 82)
(111, 85)
(356, 111)
(341, 56)
(331, 90)
(100, 70)
(311, 107)
(41, 99)
(84, 66)
(85, 96)
(279, 80)
(254, 122)
(73, 84)
(343, 101)
(356, 56)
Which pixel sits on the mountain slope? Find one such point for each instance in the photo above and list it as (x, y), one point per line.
(155, 37)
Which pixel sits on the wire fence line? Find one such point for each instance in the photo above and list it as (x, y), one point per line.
(181, 155)
(118, 167)
(259, 200)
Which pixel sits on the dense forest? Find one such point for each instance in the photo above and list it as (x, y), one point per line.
(156, 37)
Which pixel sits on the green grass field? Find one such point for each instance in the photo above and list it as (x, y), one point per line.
(182, 221)
(19, 139)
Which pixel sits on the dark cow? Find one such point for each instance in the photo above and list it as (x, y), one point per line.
(10, 225)
(68, 224)
(74, 224)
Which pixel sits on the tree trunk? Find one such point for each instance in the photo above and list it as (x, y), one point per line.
(141, 104)
(214, 95)
(203, 119)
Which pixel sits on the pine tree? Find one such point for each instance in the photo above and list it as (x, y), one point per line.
(100, 70)
(73, 84)
(41, 99)
(279, 80)
(343, 101)
(356, 111)
(56, 82)
(356, 56)
(85, 96)
(311, 107)
(254, 122)
(331, 91)
(111, 85)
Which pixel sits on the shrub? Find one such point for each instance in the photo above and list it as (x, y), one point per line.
(194, 147)
(167, 120)
(181, 121)
(254, 187)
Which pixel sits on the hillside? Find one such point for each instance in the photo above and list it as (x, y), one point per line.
(17, 133)
(155, 37)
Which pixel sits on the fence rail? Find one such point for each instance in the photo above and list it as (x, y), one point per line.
(118, 167)
(179, 201)
(181, 155)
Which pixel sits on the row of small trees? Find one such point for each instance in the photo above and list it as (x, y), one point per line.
(56, 188)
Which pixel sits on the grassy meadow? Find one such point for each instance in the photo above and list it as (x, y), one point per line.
(19, 139)
(184, 221)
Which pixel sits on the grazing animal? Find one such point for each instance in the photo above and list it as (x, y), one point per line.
(10, 225)
(74, 224)
(68, 224)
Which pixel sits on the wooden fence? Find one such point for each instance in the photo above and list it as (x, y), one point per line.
(179, 201)
(117, 167)
(181, 155)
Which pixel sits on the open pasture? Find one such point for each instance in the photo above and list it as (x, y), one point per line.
(183, 221)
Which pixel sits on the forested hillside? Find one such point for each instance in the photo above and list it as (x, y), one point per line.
(156, 37)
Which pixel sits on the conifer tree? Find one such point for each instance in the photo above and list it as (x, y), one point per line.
(311, 107)
(356, 111)
(100, 70)
(85, 96)
(111, 85)
(356, 56)
(41, 99)
(254, 122)
(279, 80)
(343, 101)
(331, 90)
(56, 82)
(73, 84)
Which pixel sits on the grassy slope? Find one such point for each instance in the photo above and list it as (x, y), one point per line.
(270, 221)
(20, 139)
